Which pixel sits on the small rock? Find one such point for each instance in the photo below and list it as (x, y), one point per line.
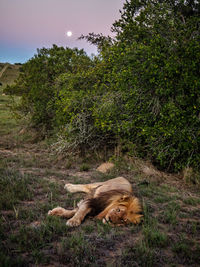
(105, 167)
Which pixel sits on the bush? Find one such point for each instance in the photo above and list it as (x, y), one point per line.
(36, 83)
(155, 78)
(142, 89)
(75, 102)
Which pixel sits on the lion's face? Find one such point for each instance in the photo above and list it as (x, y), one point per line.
(116, 215)
(119, 214)
(122, 209)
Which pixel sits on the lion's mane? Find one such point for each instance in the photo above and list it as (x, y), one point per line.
(107, 200)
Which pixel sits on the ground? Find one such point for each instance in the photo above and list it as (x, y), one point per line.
(32, 177)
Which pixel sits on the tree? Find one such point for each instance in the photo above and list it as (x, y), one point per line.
(156, 62)
(36, 83)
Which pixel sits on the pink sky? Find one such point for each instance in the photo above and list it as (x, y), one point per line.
(29, 24)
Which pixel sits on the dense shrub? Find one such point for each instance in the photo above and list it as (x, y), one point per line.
(142, 89)
(36, 83)
(154, 84)
(74, 104)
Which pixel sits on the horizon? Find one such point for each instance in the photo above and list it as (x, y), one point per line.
(26, 26)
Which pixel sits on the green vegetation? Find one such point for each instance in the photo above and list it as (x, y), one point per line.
(8, 73)
(140, 96)
(8, 124)
(168, 234)
(141, 92)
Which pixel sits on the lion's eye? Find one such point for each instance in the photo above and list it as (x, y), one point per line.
(118, 210)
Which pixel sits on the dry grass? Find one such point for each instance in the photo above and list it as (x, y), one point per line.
(8, 73)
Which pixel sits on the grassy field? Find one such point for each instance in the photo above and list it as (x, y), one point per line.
(8, 73)
(31, 183)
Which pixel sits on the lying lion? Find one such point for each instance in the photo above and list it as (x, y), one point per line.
(111, 201)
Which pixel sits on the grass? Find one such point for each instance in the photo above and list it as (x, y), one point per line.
(138, 255)
(186, 250)
(15, 188)
(84, 167)
(30, 237)
(7, 123)
(154, 237)
(80, 251)
(10, 74)
(192, 201)
(31, 183)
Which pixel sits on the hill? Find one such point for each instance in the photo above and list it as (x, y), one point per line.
(9, 73)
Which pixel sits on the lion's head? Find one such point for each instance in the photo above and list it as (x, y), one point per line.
(122, 208)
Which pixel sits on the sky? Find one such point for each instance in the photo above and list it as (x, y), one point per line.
(26, 25)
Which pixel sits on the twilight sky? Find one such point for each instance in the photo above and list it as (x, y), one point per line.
(26, 25)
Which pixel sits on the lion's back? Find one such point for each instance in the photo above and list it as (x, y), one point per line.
(119, 183)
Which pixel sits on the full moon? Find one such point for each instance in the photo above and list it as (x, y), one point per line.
(69, 33)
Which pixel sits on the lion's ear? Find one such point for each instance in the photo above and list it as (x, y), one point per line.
(124, 198)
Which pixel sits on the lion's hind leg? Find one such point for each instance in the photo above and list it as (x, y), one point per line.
(61, 212)
(85, 188)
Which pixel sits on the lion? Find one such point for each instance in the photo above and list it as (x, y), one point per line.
(111, 201)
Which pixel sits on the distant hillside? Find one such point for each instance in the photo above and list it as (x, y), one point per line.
(8, 73)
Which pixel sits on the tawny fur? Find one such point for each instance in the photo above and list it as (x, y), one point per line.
(111, 201)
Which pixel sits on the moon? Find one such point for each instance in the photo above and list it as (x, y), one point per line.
(69, 33)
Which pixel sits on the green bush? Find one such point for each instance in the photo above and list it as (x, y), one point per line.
(36, 83)
(76, 99)
(153, 95)
(141, 90)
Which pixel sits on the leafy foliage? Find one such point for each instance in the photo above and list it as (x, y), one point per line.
(155, 74)
(142, 89)
(36, 83)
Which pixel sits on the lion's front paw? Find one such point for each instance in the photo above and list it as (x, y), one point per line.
(56, 211)
(70, 188)
(73, 222)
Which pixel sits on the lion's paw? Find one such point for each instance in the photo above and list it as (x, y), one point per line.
(56, 211)
(70, 188)
(73, 222)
